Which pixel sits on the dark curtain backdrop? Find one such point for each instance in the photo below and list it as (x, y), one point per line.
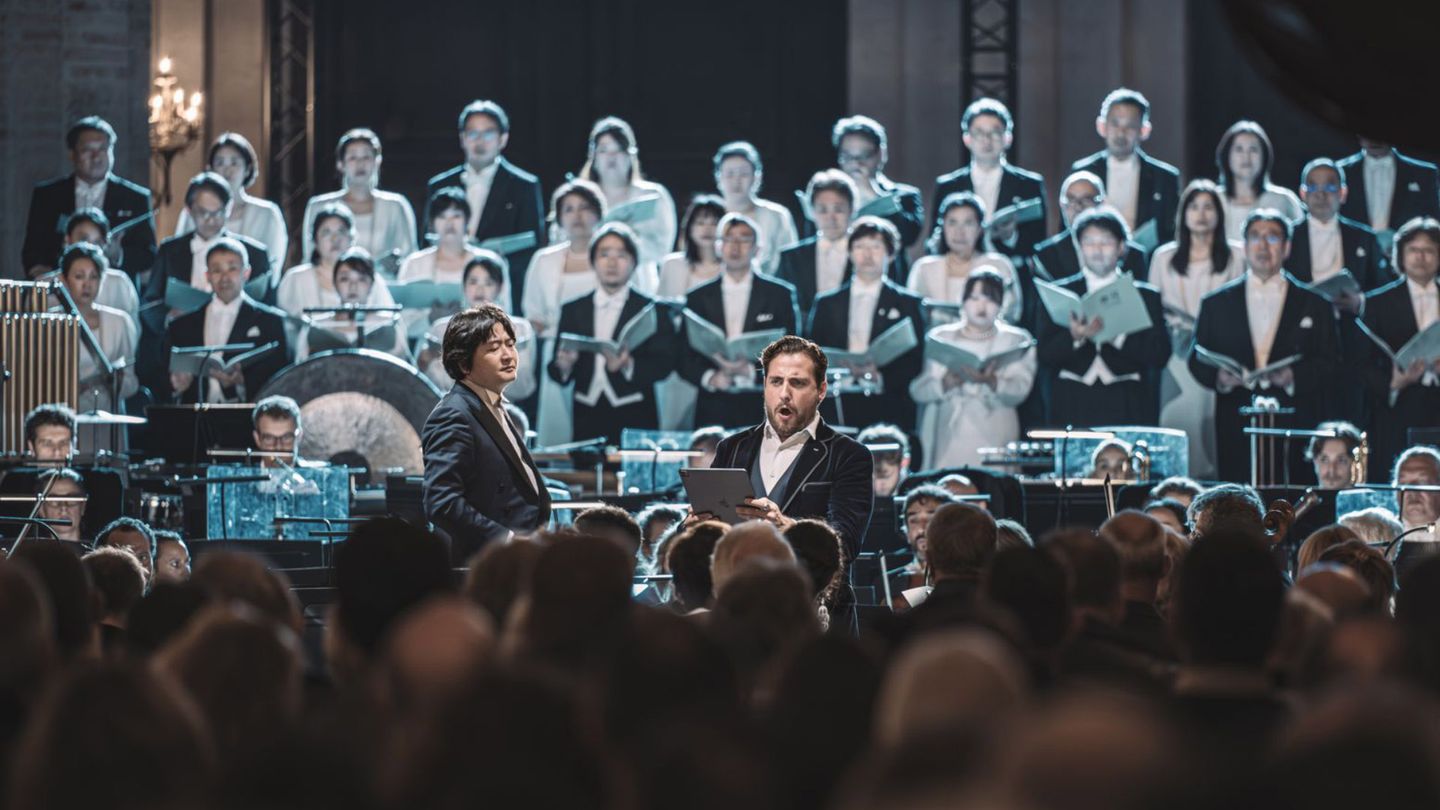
(687, 77)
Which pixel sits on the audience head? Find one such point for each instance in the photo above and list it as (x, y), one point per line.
(1080, 192)
(119, 582)
(818, 550)
(384, 568)
(1124, 121)
(1033, 587)
(1140, 541)
(959, 541)
(135, 537)
(1418, 465)
(1374, 524)
(161, 614)
(614, 524)
(1011, 534)
(1170, 513)
(577, 603)
(498, 574)
(1267, 241)
(743, 542)
(1227, 508)
(1227, 601)
(437, 651)
(958, 680)
(236, 576)
(1335, 457)
(1416, 253)
(50, 432)
(921, 503)
(688, 558)
(763, 612)
(1093, 564)
(91, 141)
(27, 636)
(484, 133)
(66, 583)
(1371, 565)
(891, 464)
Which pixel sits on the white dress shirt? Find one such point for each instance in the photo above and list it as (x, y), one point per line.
(1426, 301)
(776, 456)
(735, 295)
(830, 259)
(219, 322)
(477, 191)
(1122, 186)
(864, 298)
(198, 249)
(607, 323)
(986, 183)
(1379, 189)
(1326, 256)
(1098, 371)
(1263, 302)
(88, 195)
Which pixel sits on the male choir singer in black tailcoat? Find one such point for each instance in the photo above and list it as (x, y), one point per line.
(1261, 318)
(988, 132)
(481, 485)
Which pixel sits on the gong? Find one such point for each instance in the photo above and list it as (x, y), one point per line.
(359, 401)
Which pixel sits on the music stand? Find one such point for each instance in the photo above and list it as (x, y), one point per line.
(183, 434)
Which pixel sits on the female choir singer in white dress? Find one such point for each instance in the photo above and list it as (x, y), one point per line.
(962, 411)
(738, 175)
(559, 273)
(354, 284)
(1185, 271)
(482, 280)
(332, 232)
(1244, 158)
(233, 158)
(613, 164)
(447, 215)
(957, 250)
(695, 263)
(384, 220)
(82, 265)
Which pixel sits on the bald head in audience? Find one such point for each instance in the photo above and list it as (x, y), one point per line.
(1140, 540)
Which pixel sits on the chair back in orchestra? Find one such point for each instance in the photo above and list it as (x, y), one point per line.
(40, 350)
(359, 401)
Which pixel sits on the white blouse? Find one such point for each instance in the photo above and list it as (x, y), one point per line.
(677, 277)
(955, 424)
(1277, 197)
(391, 227)
(930, 278)
(657, 233)
(260, 220)
(1185, 292)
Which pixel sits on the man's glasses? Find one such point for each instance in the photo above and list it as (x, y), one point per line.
(851, 158)
(1272, 239)
(1328, 188)
(482, 135)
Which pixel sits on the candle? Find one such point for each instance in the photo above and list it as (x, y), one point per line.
(165, 64)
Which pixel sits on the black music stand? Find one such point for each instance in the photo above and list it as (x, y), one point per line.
(184, 434)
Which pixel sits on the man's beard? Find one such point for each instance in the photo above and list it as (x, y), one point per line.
(801, 424)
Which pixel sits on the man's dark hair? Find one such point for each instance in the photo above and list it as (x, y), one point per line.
(468, 331)
(928, 492)
(656, 512)
(607, 521)
(1176, 483)
(51, 413)
(499, 574)
(66, 582)
(960, 540)
(386, 567)
(211, 182)
(830, 180)
(117, 577)
(819, 551)
(1322, 162)
(238, 576)
(42, 481)
(231, 245)
(986, 106)
(873, 226)
(792, 344)
(1170, 505)
(1106, 219)
(90, 123)
(92, 215)
(699, 204)
(862, 125)
(488, 108)
(275, 406)
(127, 524)
(241, 144)
(161, 614)
(1344, 431)
(446, 199)
(1033, 586)
(1093, 565)
(1233, 508)
(579, 600)
(688, 559)
(1268, 215)
(1124, 95)
(83, 250)
(620, 231)
(1227, 600)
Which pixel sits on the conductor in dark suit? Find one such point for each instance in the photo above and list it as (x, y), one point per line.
(741, 300)
(230, 317)
(799, 466)
(613, 391)
(1258, 319)
(1388, 189)
(504, 199)
(861, 151)
(91, 141)
(987, 130)
(1402, 398)
(1141, 188)
(481, 485)
(852, 317)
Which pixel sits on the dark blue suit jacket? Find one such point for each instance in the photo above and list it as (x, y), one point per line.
(1416, 194)
(1016, 185)
(1157, 197)
(830, 480)
(476, 489)
(54, 200)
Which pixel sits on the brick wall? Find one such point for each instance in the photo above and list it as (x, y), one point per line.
(60, 60)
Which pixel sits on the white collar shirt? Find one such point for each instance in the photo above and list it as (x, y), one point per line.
(608, 307)
(219, 323)
(777, 456)
(1264, 301)
(91, 195)
(864, 298)
(198, 249)
(830, 260)
(1426, 303)
(1379, 189)
(735, 296)
(986, 183)
(1122, 186)
(1326, 255)
(477, 191)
